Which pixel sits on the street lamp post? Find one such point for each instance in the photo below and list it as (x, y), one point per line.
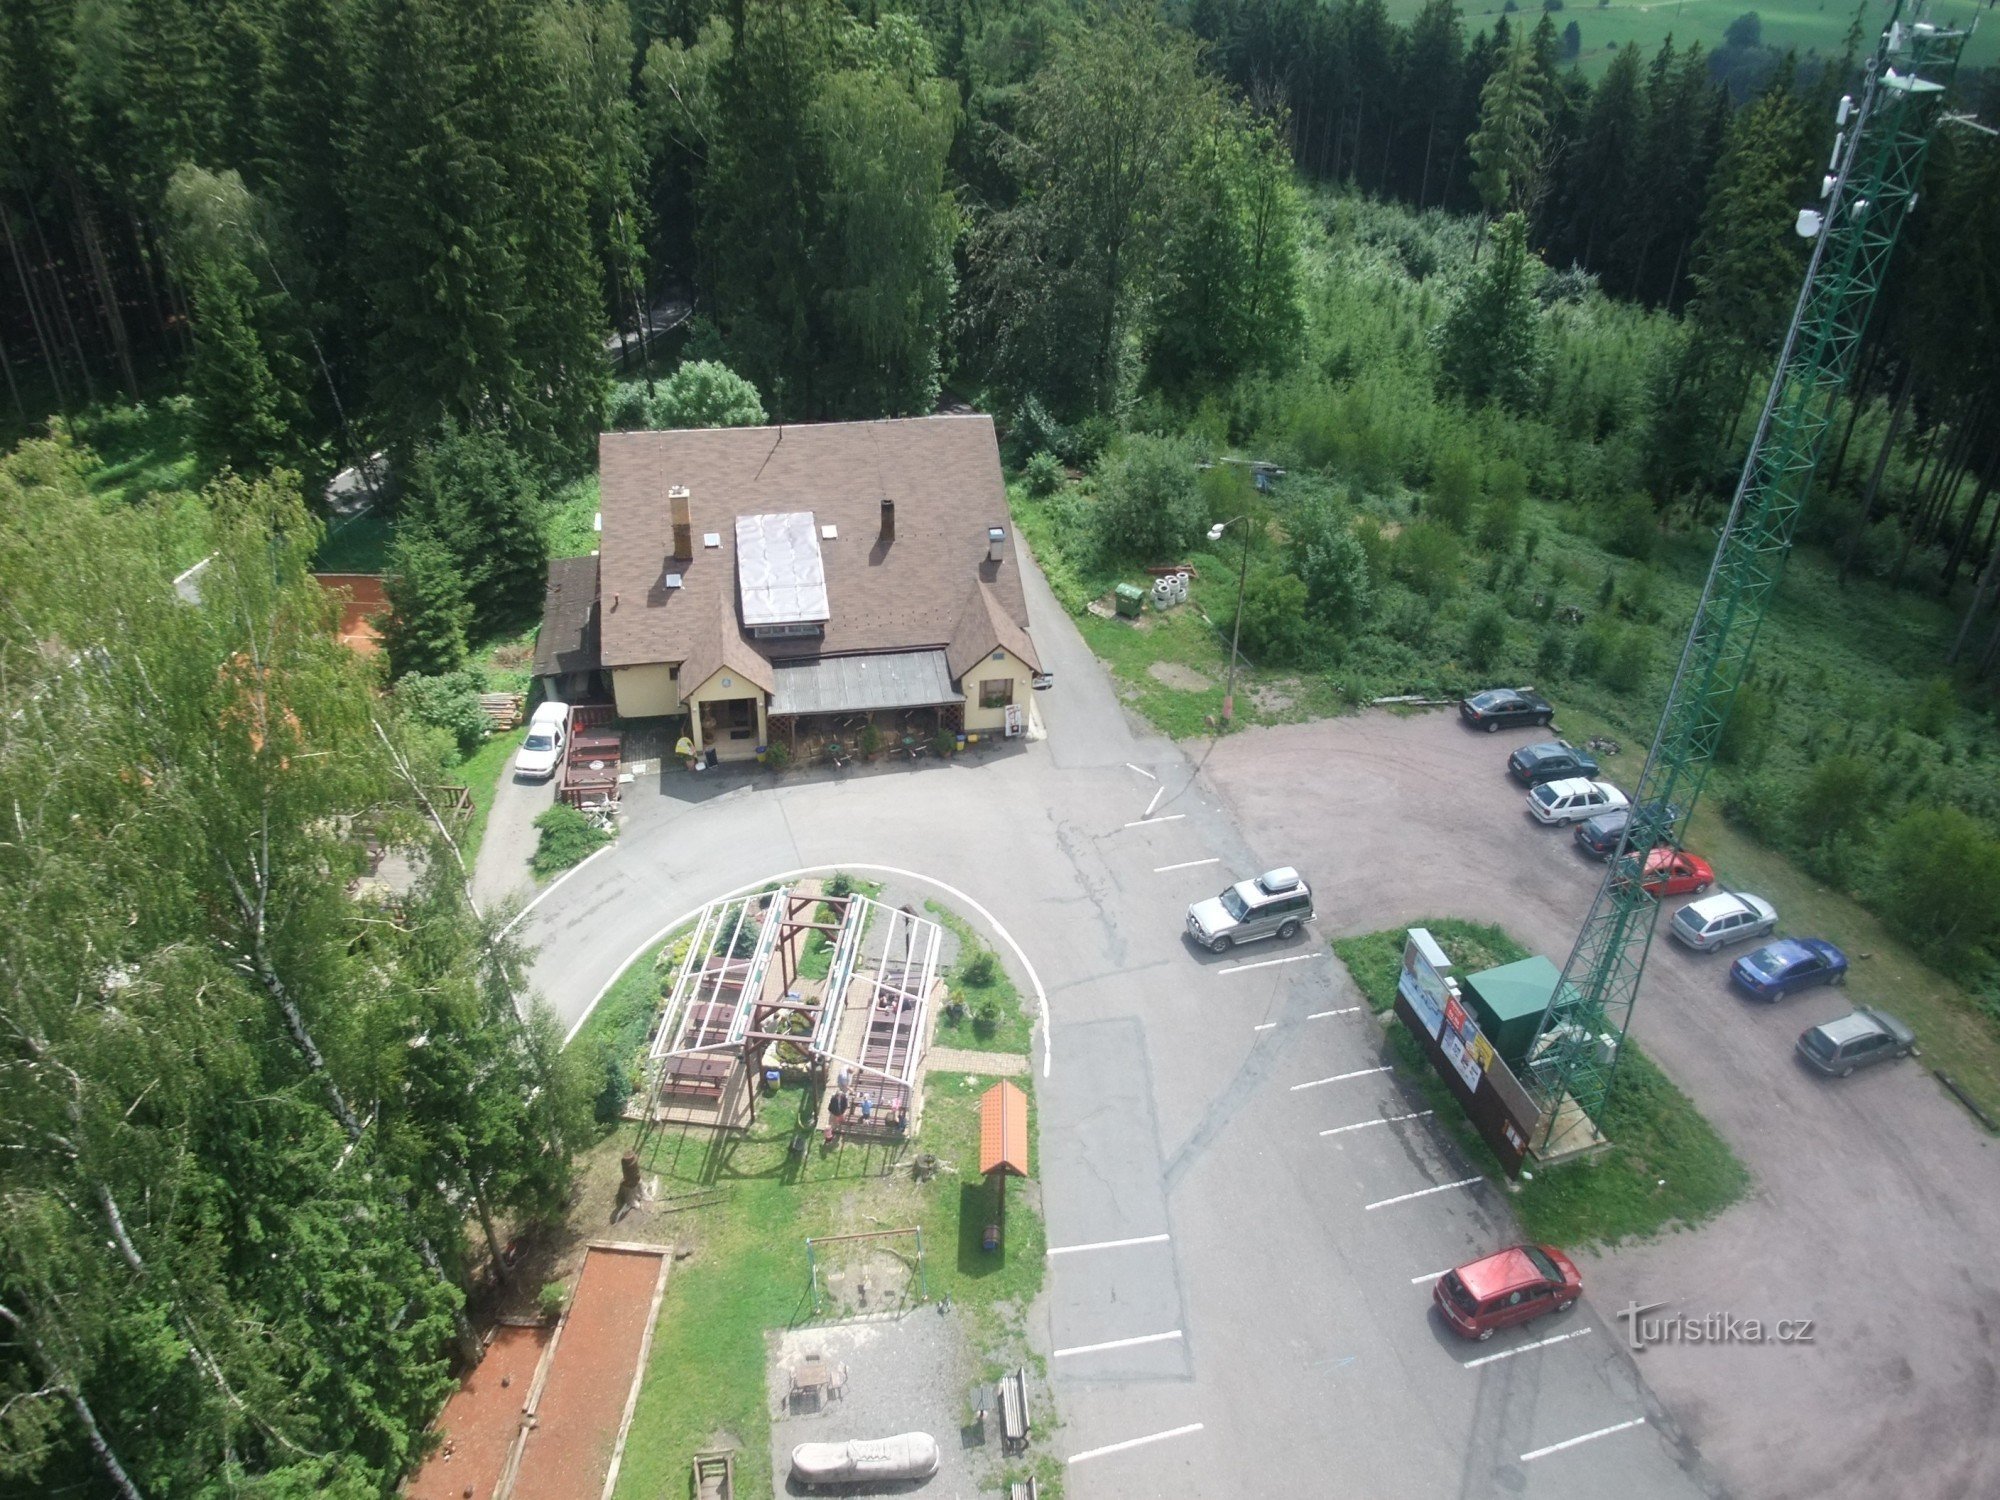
(1242, 576)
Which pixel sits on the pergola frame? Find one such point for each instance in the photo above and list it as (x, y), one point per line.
(721, 1006)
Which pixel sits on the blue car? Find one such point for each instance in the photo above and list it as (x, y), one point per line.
(1776, 969)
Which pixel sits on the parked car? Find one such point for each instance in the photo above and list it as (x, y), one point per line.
(1675, 872)
(1726, 917)
(1275, 904)
(1865, 1036)
(1499, 1291)
(1505, 708)
(1551, 760)
(1600, 835)
(541, 751)
(1777, 969)
(1570, 801)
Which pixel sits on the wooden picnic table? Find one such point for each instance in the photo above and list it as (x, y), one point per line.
(595, 742)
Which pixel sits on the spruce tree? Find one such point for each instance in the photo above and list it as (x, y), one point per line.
(429, 613)
(482, 500)
(1490, 345)
(1506, 149)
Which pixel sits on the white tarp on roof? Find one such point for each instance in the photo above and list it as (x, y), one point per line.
(779, 569)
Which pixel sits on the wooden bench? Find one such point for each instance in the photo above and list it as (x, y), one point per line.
(714, 1476)
(1024, 1489)
(1014, 1421)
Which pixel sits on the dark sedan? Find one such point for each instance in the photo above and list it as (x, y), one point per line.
(1600, 835)
(1777, 969)
(1505, 708)
(1552, 760)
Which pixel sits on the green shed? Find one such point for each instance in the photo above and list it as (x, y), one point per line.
(1508, 1003)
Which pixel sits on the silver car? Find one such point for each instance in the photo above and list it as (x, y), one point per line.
(1275, 904)
(1865, 1036)
(1726, 917)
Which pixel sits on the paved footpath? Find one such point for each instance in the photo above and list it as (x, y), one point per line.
(1243, 1213)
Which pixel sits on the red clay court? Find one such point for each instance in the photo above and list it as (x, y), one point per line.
(362, 598)
(593, 1375)
(479, 1421)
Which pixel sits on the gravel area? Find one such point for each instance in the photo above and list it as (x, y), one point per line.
(905, 1373)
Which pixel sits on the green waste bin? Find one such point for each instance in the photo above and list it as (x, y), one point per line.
(1131, 600)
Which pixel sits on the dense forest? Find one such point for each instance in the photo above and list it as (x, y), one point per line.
(260, 1137)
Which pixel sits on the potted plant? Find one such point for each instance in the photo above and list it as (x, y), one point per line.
(870, 741)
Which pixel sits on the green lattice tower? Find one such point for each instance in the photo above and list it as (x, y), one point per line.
(1876, 166)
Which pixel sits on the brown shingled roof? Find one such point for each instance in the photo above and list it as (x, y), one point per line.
(982, 626)
(568, 639)
(943, 473)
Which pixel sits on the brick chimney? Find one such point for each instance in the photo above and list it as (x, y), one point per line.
(677, 497)
(888, 519)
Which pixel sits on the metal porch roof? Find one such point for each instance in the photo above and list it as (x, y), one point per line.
(860, 684)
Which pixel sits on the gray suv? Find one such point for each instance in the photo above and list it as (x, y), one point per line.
(1275, 904)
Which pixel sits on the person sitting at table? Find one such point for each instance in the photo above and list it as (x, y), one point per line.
(837, 1105)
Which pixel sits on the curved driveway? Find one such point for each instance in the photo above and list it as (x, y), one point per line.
(1237, 1302)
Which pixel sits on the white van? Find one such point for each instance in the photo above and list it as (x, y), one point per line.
(541, 752)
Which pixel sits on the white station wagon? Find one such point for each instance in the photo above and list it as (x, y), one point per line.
(1726, 917)
(1573, 800)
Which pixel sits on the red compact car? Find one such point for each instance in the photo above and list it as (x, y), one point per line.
(1514, 1286)
(1675, 872)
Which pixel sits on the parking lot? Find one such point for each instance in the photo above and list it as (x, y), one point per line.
(1245, 1211)
(1872, 1211)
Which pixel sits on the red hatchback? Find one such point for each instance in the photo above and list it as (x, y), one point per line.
(1675, 872)
(1514, 1286)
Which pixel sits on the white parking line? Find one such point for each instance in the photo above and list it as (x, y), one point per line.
(1321, 1015)
(1157, 795)
(1338, 1078)
(1296, 958)
(1385, 1120)
(1265, 1027)
(1427, 1276)
(1188, 864)
(1138, 1442)
(1141, 770)
(1442, 1187)
(1144, 1239)
(1487, 1359)
(1528, 1458)
(1163, 818)
(1144, 1338)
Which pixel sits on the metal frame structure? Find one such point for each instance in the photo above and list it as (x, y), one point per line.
(719, 1006)
(1872, 185)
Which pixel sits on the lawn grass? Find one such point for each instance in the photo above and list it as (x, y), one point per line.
(1667, 1167)
(1807, 25)
(481, 772)
(571, 527)
(1375, 959)
(144, 449)
(994, 1018)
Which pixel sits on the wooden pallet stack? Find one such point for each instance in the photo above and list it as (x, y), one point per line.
(502, 710)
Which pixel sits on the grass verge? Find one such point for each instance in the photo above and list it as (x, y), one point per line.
(993, 1019)
(1667, 1167)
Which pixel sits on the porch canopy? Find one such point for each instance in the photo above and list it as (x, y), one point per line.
(1003, 1131)
(862, 684)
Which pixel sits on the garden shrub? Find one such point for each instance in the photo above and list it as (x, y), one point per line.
(1428, 558)
(1149, 504)
(1632, 529)
(1043, 474)
(449, 702)
(1275, 629)
(980, 968)
(1485, 638)
(568, 838)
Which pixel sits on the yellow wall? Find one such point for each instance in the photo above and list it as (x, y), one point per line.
(645, 692)
(992, 720)
(718, 689)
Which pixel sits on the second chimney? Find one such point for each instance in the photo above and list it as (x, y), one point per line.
(677, 496)
(888, 519)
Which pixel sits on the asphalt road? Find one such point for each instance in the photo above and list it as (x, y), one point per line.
(1872, 1211)
(1238, 1303)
